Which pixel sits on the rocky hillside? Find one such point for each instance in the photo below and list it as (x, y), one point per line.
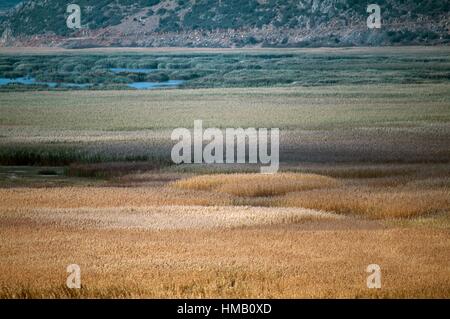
(226, 23)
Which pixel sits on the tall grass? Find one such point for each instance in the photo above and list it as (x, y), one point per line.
(399, 192)
(257, 185)
(373, 203)
(114, 169)
(57, 155)
(322, 259)
(43, 156)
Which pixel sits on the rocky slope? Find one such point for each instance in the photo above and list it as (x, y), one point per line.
(226, 23)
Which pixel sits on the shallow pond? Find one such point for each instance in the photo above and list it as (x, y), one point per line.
(32, 81)
(155, 85)
(134, 85)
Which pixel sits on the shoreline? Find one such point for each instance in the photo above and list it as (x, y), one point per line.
(59, 50)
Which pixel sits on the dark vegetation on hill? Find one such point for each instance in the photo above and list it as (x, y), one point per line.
(227, 23)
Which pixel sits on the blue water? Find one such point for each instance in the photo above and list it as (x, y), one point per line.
(32, 81)
(119, 70)
(24, 80)
(134, 85)
(155, 85)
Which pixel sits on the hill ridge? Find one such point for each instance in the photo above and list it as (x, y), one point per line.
(225, 23)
